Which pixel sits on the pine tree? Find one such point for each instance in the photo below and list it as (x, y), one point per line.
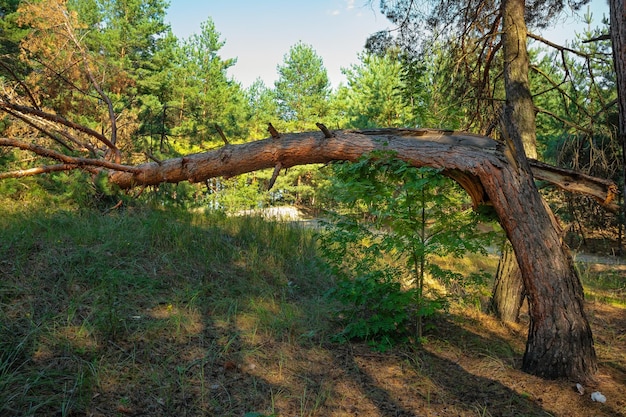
(302, 89)
(374, 94)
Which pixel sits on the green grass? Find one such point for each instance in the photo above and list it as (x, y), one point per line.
(87, 299)
(164, 312)
(604, 283)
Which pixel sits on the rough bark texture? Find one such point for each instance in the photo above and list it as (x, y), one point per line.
(508, 290)
(617, 9)
(519, 119)
(519, 110)
(317, 147)
(559, 343)
(507, 295)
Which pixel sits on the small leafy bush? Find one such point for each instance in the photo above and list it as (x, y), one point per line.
(375, 308)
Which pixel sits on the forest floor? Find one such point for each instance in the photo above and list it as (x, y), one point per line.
(157, 314)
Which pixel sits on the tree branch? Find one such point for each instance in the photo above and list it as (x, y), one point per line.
(68, 160)
(37, 171)
(460, 155)
(564, 121)
(58, 119)
(603, 37)
(556, 46)
(21, 83)
(604, 191)
(42, 129)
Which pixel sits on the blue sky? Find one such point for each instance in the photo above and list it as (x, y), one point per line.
(260, 32)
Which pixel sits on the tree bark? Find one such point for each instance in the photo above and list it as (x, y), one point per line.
(617, 11)
(560, 342)
(508, 290)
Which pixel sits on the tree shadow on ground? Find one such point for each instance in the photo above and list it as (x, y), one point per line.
(432, 383)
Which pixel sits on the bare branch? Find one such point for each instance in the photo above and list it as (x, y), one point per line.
(69, 160)
(603, 37)
(21, 83)
(324, 129)
(604, 192)
(273, 131)
(58, 119)
(37, 171)
(557, 46)
(42, 129)
(564, 121)
(277, 169)
(562, 92)
(221, 133)
(154, 158)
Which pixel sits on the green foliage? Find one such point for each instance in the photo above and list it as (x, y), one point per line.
(243, 192)
(375, 308)
(302, 88)
(374, 94)
(262, 108)
(394, 219)
(575, 94)
(71, 189)
(204, 95)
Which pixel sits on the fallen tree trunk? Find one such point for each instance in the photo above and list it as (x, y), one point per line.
(195, 168)
(313, 147)
(560, 342)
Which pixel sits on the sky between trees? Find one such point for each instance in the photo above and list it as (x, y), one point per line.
(259, 34)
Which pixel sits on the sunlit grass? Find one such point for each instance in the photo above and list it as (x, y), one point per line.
(604, 283)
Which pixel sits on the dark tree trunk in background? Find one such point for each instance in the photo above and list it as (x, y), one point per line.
(508, 291)
(618, 43)
(559, 342)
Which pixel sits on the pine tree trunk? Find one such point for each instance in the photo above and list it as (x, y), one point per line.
(559, 342)
(618, 42)
(508, 291)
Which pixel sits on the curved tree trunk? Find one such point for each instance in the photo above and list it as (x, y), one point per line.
(546, 354)
(560, 342)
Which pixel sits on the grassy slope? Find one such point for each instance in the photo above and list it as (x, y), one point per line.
(157, 313)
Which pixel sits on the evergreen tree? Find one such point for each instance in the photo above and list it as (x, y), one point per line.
(205, 96)
(302, 89)
(374, 94)
(10, 36)
(262, 106)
